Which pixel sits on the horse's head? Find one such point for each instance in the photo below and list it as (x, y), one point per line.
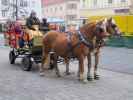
(109, 27)
(105, 28)
(100, 29)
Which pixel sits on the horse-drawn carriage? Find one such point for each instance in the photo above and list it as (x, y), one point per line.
(25, 44)
(80, 44)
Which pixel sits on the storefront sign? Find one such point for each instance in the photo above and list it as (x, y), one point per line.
(121, 10)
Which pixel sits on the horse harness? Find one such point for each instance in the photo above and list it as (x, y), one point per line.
(84, 40)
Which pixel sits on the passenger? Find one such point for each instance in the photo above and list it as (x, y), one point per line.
(44, 25)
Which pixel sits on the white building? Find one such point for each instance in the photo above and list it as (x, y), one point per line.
(36, 6)
(67, 10)
(104, 7)
(8, 9)
(24, 8)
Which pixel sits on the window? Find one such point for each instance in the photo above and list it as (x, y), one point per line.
(72, 6)
(46, 10)
(55, 9)
(4, 13)
(4, 2)
(123, 0)
(95, 2)
(51, 9)
(83, 5)
(110, 1)
(71, 17)
(23, 3)
(61, 8)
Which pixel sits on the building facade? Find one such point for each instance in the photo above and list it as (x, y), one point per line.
(67, 10)
(35, 5)
(8, 9)
(131, 7)
(104, 7)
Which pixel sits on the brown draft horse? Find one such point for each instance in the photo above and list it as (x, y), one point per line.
(79, 44)
(112, 29)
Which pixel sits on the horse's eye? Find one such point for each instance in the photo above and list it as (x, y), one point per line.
(114, 26)
(101, 30)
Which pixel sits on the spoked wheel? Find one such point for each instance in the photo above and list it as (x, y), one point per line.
(12, 57)
(26, 63)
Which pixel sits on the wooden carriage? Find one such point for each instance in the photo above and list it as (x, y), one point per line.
(30, 51)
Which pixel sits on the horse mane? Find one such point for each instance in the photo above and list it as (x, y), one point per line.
(88, 28)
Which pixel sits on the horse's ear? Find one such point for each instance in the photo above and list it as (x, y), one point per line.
(100, 21)
(111, 20)
(105, 20)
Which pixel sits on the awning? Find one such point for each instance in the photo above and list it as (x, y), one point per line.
(55, 20)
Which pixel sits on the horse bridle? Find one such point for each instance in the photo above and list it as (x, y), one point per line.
(83, 39)
(99, 40)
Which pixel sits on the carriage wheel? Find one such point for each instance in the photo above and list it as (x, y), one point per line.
(12, 57)
(26, 63)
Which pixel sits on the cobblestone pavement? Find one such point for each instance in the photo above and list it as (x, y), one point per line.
(16, 84)
(117, 59)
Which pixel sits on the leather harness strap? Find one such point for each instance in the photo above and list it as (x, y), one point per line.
(84, 40)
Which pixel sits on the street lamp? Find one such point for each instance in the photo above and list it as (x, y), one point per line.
(16, 14)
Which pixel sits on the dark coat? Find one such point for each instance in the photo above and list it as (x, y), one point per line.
(32, 21)
(44, 27)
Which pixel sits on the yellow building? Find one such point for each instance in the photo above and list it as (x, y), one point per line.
(124, 22)
(104, 7)
(120, 10)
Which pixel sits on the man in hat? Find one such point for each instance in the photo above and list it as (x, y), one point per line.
(32, 20)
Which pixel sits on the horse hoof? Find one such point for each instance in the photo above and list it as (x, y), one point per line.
(50, 68)
(41, 74)
(96, 77)
(67, 73)
(58, 75)
(85, 81)
(89, 78)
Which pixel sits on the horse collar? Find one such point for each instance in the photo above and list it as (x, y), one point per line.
(83, 39)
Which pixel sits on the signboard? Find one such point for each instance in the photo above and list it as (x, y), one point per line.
(121, 10)
(49, 2)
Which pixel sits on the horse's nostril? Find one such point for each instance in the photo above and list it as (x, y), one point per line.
(106, 34)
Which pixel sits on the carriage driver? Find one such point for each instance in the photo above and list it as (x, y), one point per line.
(32, 20)
(31, 24)
(44, 26)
